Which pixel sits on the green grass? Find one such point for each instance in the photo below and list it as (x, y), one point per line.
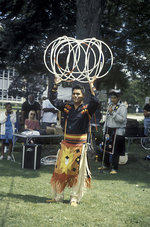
(120, 200)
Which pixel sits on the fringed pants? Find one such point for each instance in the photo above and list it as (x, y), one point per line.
(71, 169)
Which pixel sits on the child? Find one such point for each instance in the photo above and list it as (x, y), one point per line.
(7, 121)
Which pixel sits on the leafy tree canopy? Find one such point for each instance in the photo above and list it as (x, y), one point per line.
(27, 27)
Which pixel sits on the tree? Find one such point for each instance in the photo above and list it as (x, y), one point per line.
(135, 93)
(128, 30)
(89, 18)
(26, 85)
(30, 25)
(90, 14)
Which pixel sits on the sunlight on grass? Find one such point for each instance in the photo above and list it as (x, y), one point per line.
(121, 200)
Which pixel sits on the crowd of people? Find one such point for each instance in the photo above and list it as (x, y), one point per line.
(33, 118)
(71, 168)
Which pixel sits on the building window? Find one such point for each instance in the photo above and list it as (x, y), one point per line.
(6, 78)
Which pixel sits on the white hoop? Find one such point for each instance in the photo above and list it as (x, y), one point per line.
(90, 52)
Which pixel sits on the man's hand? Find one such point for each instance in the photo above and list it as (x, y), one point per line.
(57, 80)
(110, 109)
(8, 112)
(146, 113)
(91, 83)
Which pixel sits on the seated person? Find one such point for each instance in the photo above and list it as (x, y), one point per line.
(29, 105)
(31, 123)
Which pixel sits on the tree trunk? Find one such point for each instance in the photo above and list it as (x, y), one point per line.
(88, 23)
(89, 16)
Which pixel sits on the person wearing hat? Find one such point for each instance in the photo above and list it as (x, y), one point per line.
(146, 112)
(49, 113)
(114, 131)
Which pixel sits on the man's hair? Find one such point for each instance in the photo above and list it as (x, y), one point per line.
(31, 95)
(78, 86)
(8, 103)
(115, 92)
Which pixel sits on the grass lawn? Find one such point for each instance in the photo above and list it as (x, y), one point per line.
(121, 200)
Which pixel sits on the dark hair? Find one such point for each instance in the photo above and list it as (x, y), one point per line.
(115, 92)
(78, 86)
(8, 103)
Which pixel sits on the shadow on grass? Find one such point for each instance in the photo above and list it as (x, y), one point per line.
(25, 198)
(28, 198)
(11, 168)
(134, 172)
(8, 169)
(137, 169)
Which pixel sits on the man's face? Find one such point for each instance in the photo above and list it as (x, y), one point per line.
(8, 108)
(114, 99)
(31, 99)
(77, 96)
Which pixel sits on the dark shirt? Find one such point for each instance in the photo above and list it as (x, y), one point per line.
(26, 107)
(77, 120)
(147, 107)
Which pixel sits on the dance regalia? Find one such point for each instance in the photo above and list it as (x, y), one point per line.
(110, 133)
(109, 141)
(114, 131)
(71, 169)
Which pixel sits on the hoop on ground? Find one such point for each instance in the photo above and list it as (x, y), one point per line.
(145, 143)
(49, 160)
(79, 60)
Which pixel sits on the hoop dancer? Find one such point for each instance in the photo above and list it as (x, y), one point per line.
(71, 169)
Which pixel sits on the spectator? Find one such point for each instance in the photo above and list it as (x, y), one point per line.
(146, 118)
(49, 113)
(7, 121)
(28, 105)
(114, 131)
(31, 123)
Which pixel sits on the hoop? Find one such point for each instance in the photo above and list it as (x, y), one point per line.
(82, 59)
(145, 146)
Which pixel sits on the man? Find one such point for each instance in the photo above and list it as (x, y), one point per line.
(114, 131)
(49, 113)
(29, 105)
(146, 118)
(71, 169)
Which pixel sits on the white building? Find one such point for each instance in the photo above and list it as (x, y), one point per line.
(147, 100)
(6, 77)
